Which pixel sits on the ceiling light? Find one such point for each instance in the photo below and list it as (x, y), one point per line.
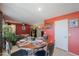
(39, 9)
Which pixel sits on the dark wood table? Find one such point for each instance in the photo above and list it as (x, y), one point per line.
(32, 47)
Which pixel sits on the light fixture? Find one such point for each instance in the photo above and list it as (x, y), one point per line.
(39, 9)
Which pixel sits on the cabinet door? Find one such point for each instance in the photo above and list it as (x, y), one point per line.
(61, 34)
(74, 40)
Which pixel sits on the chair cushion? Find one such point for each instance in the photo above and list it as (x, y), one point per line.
(40, 53)
(20, 53)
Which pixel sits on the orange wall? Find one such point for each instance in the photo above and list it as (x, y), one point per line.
(67, 16)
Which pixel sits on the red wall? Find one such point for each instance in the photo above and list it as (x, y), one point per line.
(18, 25)
(67, 16)
(28, 29)
(73, 40)
(50, 33)
(19, 29)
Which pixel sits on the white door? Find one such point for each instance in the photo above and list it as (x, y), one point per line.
(61, 34)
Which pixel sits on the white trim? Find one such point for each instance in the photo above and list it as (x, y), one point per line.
(73, 53)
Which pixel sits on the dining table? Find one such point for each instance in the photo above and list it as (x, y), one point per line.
(30, 46)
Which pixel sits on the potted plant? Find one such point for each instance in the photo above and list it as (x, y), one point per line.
(7, 34)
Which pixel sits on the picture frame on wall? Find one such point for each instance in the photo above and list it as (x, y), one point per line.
(23, 27)
(74, 22)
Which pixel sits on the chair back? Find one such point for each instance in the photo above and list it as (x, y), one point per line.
(40, 53)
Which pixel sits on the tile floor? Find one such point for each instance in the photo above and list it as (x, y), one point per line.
(57, 52)
(60, 52)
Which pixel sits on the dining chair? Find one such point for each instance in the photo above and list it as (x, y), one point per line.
(20, 52)
(41, 51)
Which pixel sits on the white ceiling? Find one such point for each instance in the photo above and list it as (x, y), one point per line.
(28, 12)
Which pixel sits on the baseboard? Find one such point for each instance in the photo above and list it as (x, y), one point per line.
(68, 52)
(73, 53)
